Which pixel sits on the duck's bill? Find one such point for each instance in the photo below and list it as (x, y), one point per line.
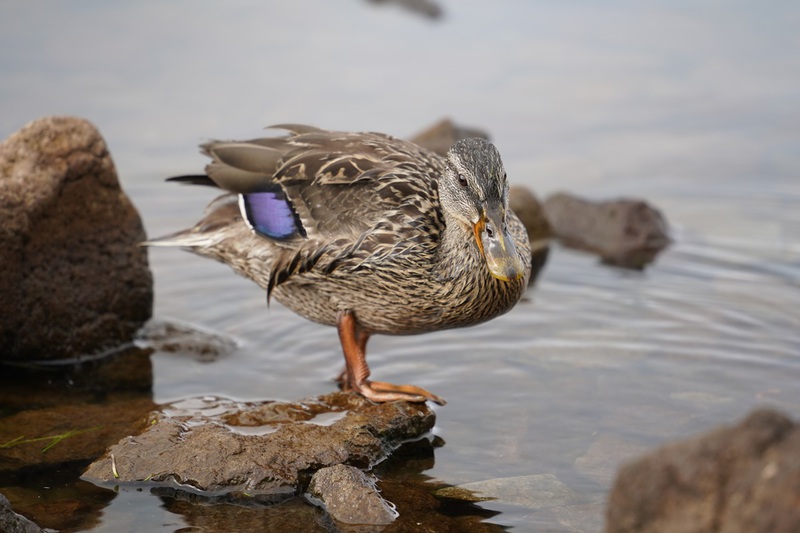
(498, 247)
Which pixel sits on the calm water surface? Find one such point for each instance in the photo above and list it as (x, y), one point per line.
(693, 106)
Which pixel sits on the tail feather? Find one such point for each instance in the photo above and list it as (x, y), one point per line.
(189, 238)
(220, 214)
(194, 179)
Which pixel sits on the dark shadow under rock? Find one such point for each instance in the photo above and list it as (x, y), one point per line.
(734, 479)
(73, 278)
(123, 374)
(627, 233)
(250, 451)
(293, 514)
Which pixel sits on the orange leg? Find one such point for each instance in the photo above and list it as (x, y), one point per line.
(356, 373)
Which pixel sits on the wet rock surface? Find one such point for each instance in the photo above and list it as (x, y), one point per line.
(350, 496)
(734, 479)
(11, 522)
(627, 233)
(73, 278)
(264, 451)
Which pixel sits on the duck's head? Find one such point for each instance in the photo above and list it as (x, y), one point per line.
(474, 191)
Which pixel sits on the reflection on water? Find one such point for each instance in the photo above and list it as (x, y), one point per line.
(598, 364)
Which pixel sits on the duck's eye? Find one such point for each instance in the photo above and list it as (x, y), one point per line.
(462, 180)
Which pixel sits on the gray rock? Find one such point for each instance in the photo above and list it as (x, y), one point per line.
(426, 8)
(734, 479)
(529, 210)
(258, 450)
(11, 522)
(73, 279)
(171, 336)
(626, 233)
(350, 496)
(444, 134)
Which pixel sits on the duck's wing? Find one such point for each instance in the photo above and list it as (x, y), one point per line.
(326, 200)
(325, 185)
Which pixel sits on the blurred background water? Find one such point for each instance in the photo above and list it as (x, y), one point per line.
(692, 105)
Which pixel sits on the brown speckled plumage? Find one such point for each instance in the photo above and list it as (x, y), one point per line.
(387, 232)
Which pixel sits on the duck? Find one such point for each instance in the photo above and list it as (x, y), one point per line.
(365, 232)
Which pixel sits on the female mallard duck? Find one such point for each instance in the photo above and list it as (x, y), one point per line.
(366, 232)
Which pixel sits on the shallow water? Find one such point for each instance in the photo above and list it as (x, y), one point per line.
(690, 105)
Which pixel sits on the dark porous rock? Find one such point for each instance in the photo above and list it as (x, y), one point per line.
(228, 450)
(444, 134)
(743, 478)
(73, 278)
(350, 496)
(627, 233)
(11, 522)
(529, 210)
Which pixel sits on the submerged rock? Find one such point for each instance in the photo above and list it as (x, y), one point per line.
(552, 501)
(735, 479)
(606, 452)
(73, 278)
(62, 434)
(626, 233)
(225, 450)
(350, 496)
(536, 491)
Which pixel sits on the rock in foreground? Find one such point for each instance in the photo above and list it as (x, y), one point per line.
(735, 479)
(11, 522)
(73, 278)
(259, 451)
(350, 496)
